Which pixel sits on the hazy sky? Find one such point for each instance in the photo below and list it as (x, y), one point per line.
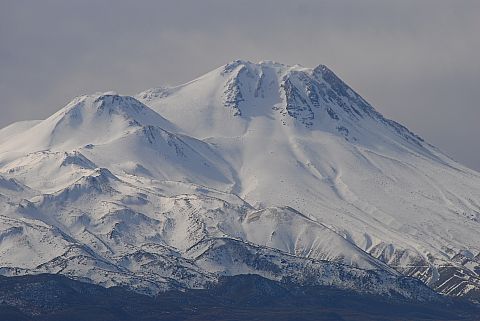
(417, 61)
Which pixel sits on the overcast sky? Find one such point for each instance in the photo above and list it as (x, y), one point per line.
(417, 62)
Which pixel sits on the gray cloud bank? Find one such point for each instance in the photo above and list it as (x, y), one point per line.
(415, 61)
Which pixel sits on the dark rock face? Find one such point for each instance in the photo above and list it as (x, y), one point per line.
(297, 105)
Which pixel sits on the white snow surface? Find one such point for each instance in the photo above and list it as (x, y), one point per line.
(167, 189)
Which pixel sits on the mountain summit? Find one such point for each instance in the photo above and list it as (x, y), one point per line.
(294, 95)
(253, 168)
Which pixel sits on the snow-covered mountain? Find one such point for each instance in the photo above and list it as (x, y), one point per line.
(281, 171)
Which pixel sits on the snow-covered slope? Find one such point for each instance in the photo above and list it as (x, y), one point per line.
(302, 138)
(282, 171)
(106, 130)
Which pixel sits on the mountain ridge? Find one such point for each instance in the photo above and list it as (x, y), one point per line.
(239, 298)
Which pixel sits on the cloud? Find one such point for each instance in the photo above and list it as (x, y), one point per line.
(415, 61)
